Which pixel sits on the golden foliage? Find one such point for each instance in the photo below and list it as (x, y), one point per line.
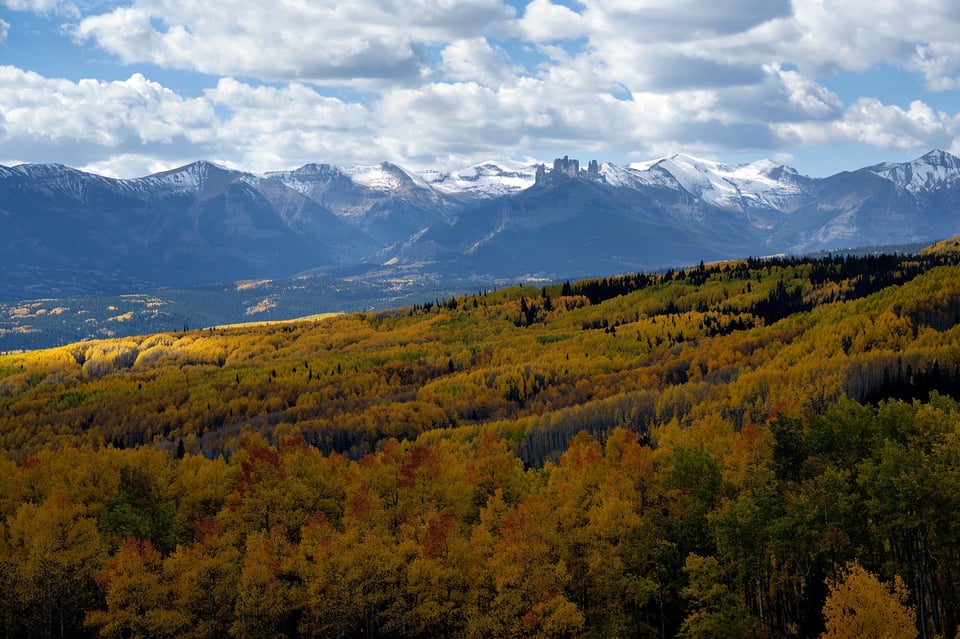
(684, 454)
(859, 606)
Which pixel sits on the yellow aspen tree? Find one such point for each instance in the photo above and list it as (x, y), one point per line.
(269, 595)
(204, 578)
(139, 602)
(58, 552)
(860, 606)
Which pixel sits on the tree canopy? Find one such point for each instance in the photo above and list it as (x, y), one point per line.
(746, 449)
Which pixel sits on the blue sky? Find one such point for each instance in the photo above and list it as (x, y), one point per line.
(129, 88)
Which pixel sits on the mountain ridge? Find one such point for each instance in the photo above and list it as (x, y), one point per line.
(495, 221)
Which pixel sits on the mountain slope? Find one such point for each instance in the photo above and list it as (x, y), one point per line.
(385, 201)
(196, 224)
(572, 228)
(935, 171)
(913, 201)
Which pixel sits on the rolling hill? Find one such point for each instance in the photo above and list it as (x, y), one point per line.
(656, 454)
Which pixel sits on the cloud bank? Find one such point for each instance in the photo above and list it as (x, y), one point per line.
(449, 83)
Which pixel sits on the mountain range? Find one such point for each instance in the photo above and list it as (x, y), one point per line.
(65, 231)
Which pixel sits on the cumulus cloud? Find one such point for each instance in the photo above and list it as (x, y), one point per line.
(647, 43)
(544, 21)
(91, 111)
(832, 34)
(475, 59)
(270, 127)
(805, 99)
(781, 96)
(890, 127)
(132, 126)
(428, 82)
(939, 62)
(681, 19)
(360, 43)
(4, 29)
(466, 122)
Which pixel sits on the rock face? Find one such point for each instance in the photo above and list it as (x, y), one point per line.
(564, 169)
(64, 230)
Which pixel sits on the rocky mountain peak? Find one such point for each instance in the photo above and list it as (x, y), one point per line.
(932, 171)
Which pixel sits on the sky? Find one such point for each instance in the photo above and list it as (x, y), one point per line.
(130, 88)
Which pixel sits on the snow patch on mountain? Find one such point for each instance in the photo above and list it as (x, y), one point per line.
(484, 180)
(622, 176)
(41, 171)
(383, 210)
(307, 177)
(486, 239)
(189, 179)
(58, 177)
(386, 177)
(763, 183)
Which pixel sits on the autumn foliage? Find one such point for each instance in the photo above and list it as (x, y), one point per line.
(748, 449)
(860, 607)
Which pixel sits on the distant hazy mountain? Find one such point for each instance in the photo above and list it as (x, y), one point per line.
(66, 231)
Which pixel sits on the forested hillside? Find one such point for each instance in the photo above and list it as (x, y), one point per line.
(700, 453)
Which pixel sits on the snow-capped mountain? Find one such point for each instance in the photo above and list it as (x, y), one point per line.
(498, 220)
(385, 201)
(934, 171)
(191, 179)
(195, 224)
(913, 201)
(757, 185)
(386, 177)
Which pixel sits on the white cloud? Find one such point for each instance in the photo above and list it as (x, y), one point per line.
(754, 66)
(650, 44)
(92, 121)
(475, 59)
(781, 96)
(939, 62)
(260, 40)
(270, 128)
(807, 98)
(365, 43)
(657, 21)
(442, 81)
(135, 126)
(858, 34)
(445, 119)
(36, 6)
(544, 21)
(466, 122)
(869, 121)
(4, 29)
(90, 111)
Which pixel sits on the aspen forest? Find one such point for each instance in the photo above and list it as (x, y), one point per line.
(764, 448)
